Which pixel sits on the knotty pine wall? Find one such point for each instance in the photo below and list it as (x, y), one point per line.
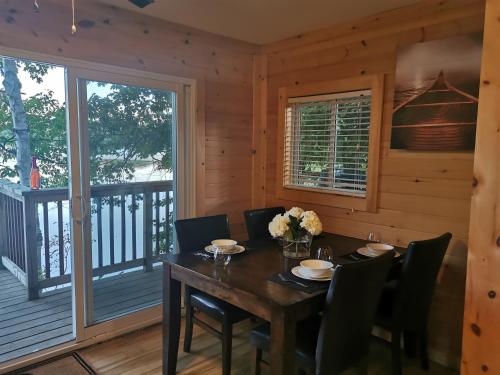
(420, 195)
(223, 67)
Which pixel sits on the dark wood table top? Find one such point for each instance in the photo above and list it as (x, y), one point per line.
(244, 283)
(249, 272)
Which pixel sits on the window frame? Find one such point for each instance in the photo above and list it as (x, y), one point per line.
(374, 83)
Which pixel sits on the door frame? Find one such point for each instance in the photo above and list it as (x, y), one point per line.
(80, 191)
(195, 116)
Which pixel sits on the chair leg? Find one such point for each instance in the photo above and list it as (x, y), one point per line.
(227, 341)
(188, 332)
(424, 354)
(396, 353)
(256, 359)
(410, 343)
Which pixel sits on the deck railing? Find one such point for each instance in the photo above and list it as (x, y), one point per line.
(35, 236)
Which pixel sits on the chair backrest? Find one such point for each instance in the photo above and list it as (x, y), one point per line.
(194, 234)
(347, 321)
(418, 280)
(257, 222)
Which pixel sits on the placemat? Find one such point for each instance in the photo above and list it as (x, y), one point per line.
(355, 256)
(291, 279)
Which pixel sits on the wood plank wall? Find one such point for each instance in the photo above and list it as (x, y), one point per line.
(420, 194)
(482, 307)
(223, 66)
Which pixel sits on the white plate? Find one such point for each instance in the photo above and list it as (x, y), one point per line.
(236, 250)
(371, 254)
(296, 272)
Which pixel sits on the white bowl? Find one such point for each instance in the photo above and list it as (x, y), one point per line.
(224, 245)
(316, 267)
(379, 248)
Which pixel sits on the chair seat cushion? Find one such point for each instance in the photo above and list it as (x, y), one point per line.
(216, 308)
(306, 340)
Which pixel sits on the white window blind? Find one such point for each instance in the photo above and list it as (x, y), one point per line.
(326, 142)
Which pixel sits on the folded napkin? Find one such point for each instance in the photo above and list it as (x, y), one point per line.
(308, 286)
(355, 256)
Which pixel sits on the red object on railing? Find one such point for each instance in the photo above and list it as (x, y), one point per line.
(35, 175)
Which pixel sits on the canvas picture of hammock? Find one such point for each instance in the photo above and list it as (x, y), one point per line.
(436, 95)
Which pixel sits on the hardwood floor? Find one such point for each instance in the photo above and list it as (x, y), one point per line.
(139, 353)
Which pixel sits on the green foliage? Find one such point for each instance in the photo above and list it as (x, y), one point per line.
(166, 233)
(128, 127)
(36, 70)
(7, 151)
(315, 133)
(295, 229)
(47, 121)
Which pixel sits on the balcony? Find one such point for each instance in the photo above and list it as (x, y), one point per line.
(131, 230)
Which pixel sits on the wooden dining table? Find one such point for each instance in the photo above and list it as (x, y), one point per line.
(245, 283)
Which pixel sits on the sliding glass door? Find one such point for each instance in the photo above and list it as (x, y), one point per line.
(93, 173)
(126, 193)
(35, 251)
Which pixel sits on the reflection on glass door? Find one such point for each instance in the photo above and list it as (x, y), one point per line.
(130, 207)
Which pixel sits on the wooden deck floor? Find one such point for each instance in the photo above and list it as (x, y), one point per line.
(29, 326)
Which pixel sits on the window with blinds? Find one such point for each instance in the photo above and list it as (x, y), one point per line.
(326, 142)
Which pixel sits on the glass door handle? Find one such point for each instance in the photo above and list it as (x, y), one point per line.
(83, 209)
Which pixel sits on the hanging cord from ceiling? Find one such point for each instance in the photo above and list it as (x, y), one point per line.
(73, 26)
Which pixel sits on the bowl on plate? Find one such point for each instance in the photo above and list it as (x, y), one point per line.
(379, 248)
(316, 267)
(224, 245)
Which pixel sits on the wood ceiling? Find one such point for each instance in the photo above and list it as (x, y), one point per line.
(261, 21)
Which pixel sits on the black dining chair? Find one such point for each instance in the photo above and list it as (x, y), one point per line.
(338, 338)
(405, 302)
(194, 235)
(257, 222)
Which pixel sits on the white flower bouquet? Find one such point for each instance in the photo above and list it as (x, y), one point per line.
(296, 228)
(294, 223)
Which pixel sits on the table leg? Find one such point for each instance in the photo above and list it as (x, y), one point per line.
(171, 320)
(282, 343)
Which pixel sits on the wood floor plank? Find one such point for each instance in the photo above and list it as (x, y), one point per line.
(34, 339)
(49, 326)
(7, 332)
(139, 353)
(32, 349)
(33, 306)
(37, 317)
(29, 326)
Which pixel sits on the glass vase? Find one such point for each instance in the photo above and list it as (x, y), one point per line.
(297, 248)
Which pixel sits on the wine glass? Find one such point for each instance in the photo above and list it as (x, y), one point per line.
(374, 237)
(325, 253)
(221, 258)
